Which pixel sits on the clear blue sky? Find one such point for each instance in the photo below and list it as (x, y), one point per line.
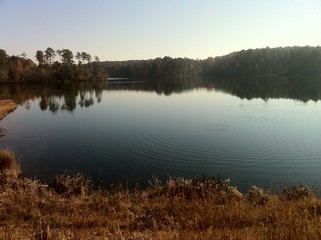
(143, 29)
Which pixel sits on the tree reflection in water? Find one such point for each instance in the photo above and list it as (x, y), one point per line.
(54, 97)
(67, 97)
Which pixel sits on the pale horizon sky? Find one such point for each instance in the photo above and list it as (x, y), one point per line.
(146, 29)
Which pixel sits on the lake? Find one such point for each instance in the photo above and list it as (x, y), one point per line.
(264, 131)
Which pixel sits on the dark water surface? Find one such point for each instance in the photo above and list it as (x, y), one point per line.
(256, 132)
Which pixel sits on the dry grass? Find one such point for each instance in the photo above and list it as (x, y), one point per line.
(6, 106)
(68, 208)
(8, 166)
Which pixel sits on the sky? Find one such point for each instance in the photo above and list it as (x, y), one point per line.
(146, 29)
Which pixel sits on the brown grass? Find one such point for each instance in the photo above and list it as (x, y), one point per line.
(179, 208)
(6, 106)
(8, 164)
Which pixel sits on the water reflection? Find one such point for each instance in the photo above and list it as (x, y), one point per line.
(68, 97)
(271, 87)
(135, 134)
(55, 97)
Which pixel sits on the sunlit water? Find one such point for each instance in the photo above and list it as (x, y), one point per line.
(134, 134)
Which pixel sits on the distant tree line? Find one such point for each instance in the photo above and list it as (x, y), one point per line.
(60, 65)
(153, 68)
(15, 68)
(285, 61)
(64, 69)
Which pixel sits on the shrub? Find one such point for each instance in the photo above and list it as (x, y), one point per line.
(68, 185)
(8, 164)
(197, 188)
(257, 196)
(298, 192)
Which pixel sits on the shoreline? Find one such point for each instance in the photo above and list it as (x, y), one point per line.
(6, 107)
(176, 209)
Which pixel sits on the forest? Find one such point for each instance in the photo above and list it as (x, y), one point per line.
(286, 61)
(19, 68)
(63, 65)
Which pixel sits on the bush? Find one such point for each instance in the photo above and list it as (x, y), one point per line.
(197, 188)
(8, 163)
(68, 185)
(298, 192)
(257, 196)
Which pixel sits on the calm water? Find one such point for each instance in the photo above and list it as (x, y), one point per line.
(116, 131)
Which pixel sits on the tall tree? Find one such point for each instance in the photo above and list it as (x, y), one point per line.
(3, 56)
(79, 57)
(23, 55)
(40, 57)
(67, 56)
(59, 52)
(86, 57)
(50, 55)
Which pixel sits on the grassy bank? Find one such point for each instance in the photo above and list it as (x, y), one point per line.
(68, 208)
(6, 106)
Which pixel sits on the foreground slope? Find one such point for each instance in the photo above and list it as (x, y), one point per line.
(69, 208)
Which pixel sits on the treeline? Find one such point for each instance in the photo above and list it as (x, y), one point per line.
(52, 66)
(63, 65)
(153, 68)
(287, 61)
(15, 68)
